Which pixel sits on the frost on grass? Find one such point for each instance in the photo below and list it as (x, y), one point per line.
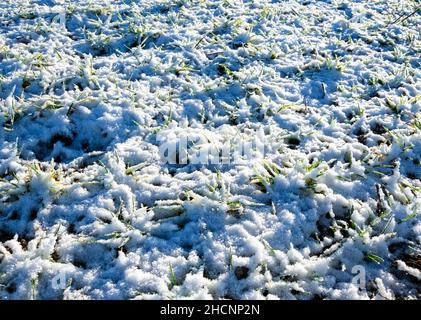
(331, 87)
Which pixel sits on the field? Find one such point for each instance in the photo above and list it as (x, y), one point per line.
(221, 149)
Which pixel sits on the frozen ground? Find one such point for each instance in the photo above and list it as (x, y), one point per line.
(89, 210)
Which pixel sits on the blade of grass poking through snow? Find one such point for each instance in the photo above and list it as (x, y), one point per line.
(268, 247)
(380, 218)
(417, 124)
(367, 170)
(133, 169)
(172, 277)
(374, 258)
(124, 242)
(360, 231)
(273, 208)
(104, 166)
(136, 123)
(387, 224)
(313, 166)
(408, 217)
(414, 189)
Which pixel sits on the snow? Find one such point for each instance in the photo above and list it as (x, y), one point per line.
(314, 106)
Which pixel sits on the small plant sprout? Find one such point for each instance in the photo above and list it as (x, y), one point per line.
(172, 276)
(374, 258)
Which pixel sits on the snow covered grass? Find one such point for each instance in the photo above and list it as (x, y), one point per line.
(331, 89)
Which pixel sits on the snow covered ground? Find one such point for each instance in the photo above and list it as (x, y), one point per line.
(328, 209)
